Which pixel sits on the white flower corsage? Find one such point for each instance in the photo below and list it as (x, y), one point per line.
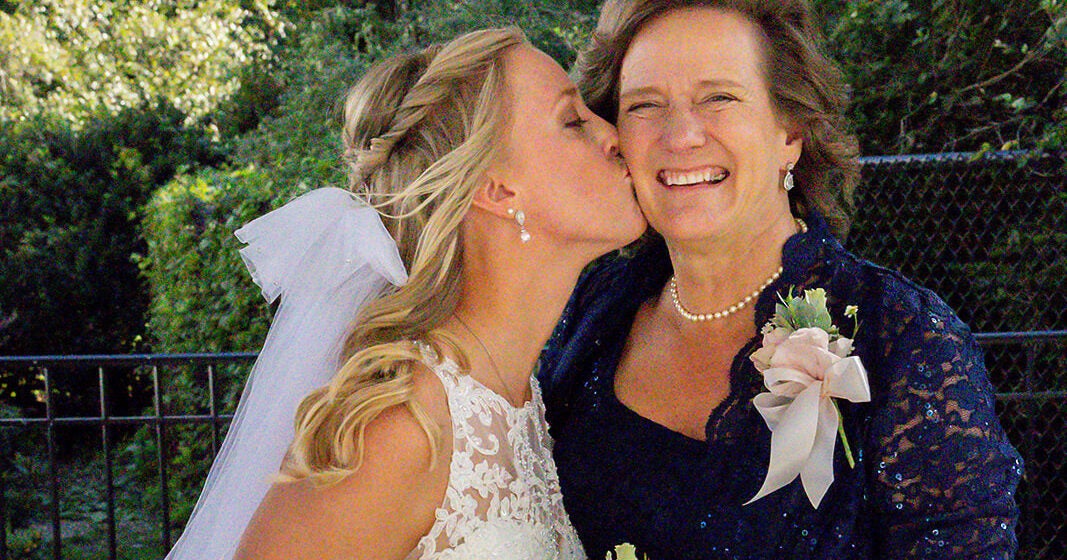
(805, 364)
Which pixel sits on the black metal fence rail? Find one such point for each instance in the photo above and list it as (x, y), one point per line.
(1033, 417)
(1025, 431)
(105, 421)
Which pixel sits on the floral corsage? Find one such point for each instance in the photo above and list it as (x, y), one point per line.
(806, 364)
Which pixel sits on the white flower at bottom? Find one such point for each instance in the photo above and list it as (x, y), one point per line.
(624, 551)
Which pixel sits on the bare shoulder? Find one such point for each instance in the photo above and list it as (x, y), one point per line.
(431, 396)
(380, 511)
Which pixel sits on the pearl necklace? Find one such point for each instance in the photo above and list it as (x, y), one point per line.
(700, 317)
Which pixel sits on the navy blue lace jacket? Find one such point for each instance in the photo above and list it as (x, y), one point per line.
(935, 475)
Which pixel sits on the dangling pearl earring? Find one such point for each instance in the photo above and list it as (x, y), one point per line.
(787, 183)
(520, 218)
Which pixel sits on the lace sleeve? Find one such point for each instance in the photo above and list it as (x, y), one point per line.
(603, 303)
(943, 472)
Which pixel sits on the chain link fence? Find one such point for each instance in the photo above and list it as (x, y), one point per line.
(989, 235)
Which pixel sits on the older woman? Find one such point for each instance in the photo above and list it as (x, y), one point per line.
(731, 121)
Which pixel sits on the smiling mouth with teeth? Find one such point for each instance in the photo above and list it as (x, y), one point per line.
(710, 175)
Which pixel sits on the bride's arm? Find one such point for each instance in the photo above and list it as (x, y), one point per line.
(381, 511)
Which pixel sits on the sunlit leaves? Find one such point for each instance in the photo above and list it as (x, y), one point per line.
(74, 58)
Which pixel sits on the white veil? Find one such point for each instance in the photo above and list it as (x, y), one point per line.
(326, 254)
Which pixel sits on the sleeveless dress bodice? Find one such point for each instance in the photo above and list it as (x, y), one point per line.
(503, 498)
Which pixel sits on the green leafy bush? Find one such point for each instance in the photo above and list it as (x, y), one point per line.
(69, 202)
(202, 298)
(952, 76)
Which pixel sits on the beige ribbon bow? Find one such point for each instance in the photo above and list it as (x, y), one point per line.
(803, 371)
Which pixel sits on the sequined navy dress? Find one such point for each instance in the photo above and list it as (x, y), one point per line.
(935, 475)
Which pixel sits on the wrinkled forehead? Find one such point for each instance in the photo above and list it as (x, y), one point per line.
(701, 43)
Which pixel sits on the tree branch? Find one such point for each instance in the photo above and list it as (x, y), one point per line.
(1030, 57)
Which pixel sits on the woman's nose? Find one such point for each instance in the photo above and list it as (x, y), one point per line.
(610, 140)
(611, 148)
(683, 130)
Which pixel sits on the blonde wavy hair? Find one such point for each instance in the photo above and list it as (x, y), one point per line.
(420, 131)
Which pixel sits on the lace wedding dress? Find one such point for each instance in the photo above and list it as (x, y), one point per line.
(503, 499)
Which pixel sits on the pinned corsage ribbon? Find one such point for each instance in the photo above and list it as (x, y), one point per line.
(806, 364)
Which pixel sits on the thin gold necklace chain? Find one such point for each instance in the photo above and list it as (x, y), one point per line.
(496, 368)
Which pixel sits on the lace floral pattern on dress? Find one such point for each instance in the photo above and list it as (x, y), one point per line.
(503, 498)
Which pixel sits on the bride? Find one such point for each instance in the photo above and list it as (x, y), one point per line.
(498, 186)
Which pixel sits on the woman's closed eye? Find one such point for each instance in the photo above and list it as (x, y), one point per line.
(576, 122)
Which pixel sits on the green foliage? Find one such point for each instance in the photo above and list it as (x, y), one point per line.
(100, 103)
(24, 543)
(202, 297)
(960, 75)
(188, 454)
(68, 225)
(82, 509)
(807, 310)
(77, 58)
(557, 27)
(324, 56)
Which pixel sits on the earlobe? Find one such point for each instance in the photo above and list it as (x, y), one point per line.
(794, 144)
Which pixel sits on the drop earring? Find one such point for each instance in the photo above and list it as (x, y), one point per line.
(520, 218)
(788, 183)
